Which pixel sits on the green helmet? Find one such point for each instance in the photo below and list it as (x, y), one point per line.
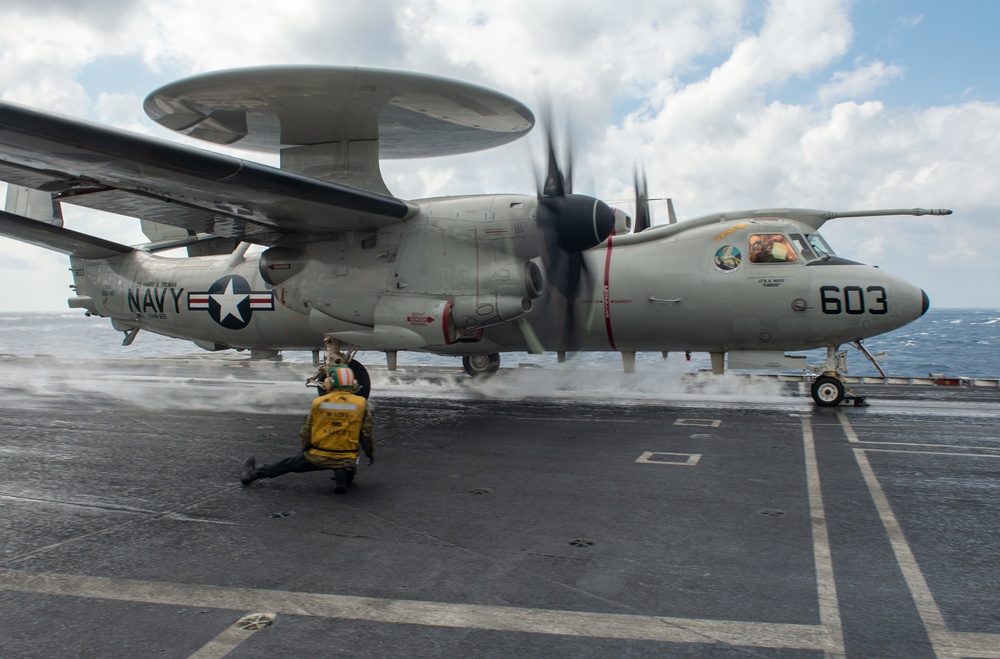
(340, 377)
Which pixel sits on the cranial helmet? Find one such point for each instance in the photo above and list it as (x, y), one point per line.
(340, 377)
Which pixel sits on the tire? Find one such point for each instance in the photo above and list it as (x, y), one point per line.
(827, 391)
(363, 379)
(481, 365)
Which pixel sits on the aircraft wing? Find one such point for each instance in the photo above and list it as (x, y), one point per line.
(130, 174)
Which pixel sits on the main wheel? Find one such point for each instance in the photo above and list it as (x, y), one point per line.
(827, 391)
(480, 365)
(361, 376)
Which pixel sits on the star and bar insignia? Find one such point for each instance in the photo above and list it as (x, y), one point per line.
(230, 302)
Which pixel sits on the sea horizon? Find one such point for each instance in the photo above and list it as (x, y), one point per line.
(947, 341)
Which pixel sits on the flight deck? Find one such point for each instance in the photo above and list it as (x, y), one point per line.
(540, 514)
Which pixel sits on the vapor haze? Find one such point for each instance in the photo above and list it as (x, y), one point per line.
(262, 388)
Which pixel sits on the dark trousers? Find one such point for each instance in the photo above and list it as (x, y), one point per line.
(297, 464)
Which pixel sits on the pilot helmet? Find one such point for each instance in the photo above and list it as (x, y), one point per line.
(340, 377)
(779, 251)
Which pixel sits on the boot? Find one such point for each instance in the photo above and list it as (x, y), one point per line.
(340, 476)
(249, 471)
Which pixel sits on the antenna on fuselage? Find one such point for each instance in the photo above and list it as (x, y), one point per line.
(671, 215)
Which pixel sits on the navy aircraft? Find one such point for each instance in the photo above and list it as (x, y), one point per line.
(344, 265)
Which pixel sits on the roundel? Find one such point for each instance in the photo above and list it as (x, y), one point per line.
(231, 302)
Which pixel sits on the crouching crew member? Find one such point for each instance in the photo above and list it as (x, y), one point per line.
(339, 425)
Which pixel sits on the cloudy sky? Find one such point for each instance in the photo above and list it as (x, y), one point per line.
(729, 104)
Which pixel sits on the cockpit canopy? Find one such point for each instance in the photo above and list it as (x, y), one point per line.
(778, 248)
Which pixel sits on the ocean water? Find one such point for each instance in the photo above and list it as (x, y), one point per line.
(951, 342)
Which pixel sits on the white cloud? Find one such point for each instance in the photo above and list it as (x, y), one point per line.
(728, 104)
(859, 82)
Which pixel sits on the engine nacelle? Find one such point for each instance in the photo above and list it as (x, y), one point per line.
(475, 312)
(409, 322)
(623, 222)
(279, 264)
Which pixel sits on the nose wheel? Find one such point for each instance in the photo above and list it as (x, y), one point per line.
(828, 391)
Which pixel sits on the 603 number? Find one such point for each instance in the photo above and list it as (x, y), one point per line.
(852, 300)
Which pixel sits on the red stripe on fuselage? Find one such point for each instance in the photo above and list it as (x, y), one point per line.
(607, 295)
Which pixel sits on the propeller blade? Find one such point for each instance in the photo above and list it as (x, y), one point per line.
(555, 183)
(573, 329)
(642, 217)
(568, 225)
(535, 346)
(568, 178)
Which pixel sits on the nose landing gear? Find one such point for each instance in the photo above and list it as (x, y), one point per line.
(828, 389)
(340, 354)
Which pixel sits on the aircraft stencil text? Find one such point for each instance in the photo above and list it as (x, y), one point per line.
(852, 300)
(154, 299)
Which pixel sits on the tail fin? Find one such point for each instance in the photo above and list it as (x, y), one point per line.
(34, 205)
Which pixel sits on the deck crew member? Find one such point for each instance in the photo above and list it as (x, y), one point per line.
(338, 427)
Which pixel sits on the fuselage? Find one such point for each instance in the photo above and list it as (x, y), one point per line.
(455, 279)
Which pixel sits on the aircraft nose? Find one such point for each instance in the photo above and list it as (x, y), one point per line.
(926, 302)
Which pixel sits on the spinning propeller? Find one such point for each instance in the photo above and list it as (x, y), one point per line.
(642, 217)
(569, 224)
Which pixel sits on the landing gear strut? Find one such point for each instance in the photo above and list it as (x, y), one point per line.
(481, 365)
(336, 356)
(828, 389)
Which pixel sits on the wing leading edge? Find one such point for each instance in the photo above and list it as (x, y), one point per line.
(131, 174)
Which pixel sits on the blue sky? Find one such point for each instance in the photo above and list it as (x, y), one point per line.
(729, 104)
(948, 48)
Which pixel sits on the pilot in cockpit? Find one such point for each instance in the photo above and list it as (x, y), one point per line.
(771, 248)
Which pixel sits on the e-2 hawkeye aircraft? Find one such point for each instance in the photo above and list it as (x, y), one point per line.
(349, 266)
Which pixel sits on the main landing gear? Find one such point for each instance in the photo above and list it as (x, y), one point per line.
(480, 365)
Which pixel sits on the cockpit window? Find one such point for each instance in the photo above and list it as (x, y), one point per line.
(822, 249)
(771, 248)
(805, 249)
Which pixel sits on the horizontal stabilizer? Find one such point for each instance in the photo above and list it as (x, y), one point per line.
(58, 239)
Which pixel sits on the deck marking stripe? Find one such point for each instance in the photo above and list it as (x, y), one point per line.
(916, 445)
(845, 423)
(927, 608)
(433, 614)
(944, 453)
(852, 437)
(826, 587)
(224, 643)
